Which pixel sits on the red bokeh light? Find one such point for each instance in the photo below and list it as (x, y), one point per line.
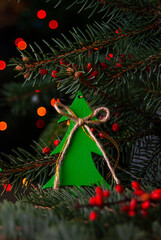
(22, 45)
(40, 123)
(53, 24)
(41, 111)
(2, 65)
(41, 14)
(18, 40)
(3, 126)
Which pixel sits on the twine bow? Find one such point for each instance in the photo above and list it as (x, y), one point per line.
(79, 123)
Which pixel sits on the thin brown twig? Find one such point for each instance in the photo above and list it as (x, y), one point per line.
(90, 47)
(26, 168)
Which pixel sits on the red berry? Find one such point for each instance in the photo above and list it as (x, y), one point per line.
(125, 208)
(106, 194)
(115, 127)
(102, 135)
(94, 74)
(119, 188)
(118, 31)
(74, 66)
(146, 205)
(101, 117)
(46, 150)
(99, 200)
(92, 201)
(115, 113)
(56, 142)
(93, 216)
(156, 195)
(132, 213)
(43, 71)
(92, 130)
(144, 213)
(145, 196)
(122, 58)
(122, 55)
(135, 185)
(110, 56)
(157, 190)
(118, 65)
(89, 66)
(138, 192)
(54, 74)
(133, 204)
(80, 74)
(8, 187)
(61, 61)
(99, 191)
(103, 65)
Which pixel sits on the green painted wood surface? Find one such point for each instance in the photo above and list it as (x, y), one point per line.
(78, 167)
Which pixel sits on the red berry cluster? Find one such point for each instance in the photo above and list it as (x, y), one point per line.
(72, 70)
(141, 201)
(115, 128)
(98, 200)
(93, 72)
(121, 58)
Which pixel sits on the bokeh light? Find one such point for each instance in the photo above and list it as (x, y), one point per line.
(37, 91)
(41, 111)
(2, 65)
(22, 45)
(24, 182)
(53, 101)
(41, 14)
(3, 126)
(18, 40)
(53, 24)
(40, 123)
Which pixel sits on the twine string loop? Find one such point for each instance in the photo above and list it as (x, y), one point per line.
(79, 123)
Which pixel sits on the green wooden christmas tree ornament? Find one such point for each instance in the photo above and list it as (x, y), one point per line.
(78, 167)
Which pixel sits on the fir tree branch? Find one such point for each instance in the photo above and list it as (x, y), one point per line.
(29, 166)
(93, 46)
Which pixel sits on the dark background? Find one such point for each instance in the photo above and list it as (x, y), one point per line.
(20, 20)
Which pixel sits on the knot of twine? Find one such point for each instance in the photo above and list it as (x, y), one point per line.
(79, 123)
